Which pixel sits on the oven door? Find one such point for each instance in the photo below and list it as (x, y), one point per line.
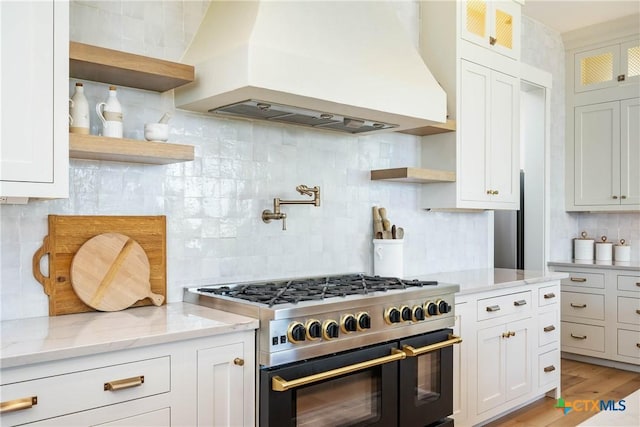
(426, 378)
(354, 388)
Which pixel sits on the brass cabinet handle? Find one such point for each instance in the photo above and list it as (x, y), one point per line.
(238, 361)
(18, 404)
(549, 368)
(623, 197)
(489, 191)
(520, 303)
(549, 295)
(638, 344)
(124, 383)
(549, 328)
(492, 308)
(508, 334)
(638, 311)
(578, 279)
(492, 40)
(451, 340)
(638, 284)
(579, 337)
(280, 384)
(614, 197)
(621, 77)
(496, 192)
(578, 305)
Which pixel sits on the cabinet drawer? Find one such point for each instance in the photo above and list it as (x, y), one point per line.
(629, 343)
(629, 283)
(549, 367)
(586, 337)
(577, 304)
(587, 280)
(548, 295)
(548, 328)
(490, 308)
(79, 391)
(629, 310)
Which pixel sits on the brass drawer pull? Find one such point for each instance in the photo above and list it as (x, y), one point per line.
(508, 334)
(238, 361)
(125, 383)
(520, 303)
(492, 308)
(549, 328)
(492, 40)
(638, 311)
(549, 295)
(579, 337)
(578, 279)
(18, 404)
(550, 368)
(638, 344)
(451, 340)
(638, 284)
(578, 305)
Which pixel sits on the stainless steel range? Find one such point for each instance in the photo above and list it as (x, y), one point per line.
(347, 349)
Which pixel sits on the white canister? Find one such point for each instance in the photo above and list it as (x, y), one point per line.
(622, 252)
(583, 248)
(110, 114)
(388, 257)
(604, 250)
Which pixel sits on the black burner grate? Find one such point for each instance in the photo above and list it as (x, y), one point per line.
(293, 291)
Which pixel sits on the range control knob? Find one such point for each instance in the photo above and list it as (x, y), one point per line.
(405, 313)
(417, 314)
(364, 321)
(443, 307)
(348, 323)
(330, 329)
(296, 332)
(392, 315)
(430, 308)
(314, 329)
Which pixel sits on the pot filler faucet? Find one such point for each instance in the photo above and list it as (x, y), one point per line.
(267, 215)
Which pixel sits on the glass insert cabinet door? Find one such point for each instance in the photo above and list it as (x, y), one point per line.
(608, 66)
(492, 24)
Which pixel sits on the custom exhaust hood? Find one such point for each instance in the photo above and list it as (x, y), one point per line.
(346, 66)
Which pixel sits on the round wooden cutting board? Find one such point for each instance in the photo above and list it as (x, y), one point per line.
(110, 272)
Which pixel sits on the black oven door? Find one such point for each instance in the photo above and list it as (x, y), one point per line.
(354, 388)
(426, 378)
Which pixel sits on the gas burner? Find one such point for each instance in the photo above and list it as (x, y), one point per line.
(320, 288)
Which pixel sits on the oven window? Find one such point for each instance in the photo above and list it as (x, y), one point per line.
(428, 386)
(340, 402)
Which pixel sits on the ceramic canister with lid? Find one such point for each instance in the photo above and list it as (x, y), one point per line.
(622, 252)
(604, 250)
(583, 247)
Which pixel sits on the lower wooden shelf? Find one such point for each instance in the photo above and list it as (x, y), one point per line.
(413, 175)
(92, 147)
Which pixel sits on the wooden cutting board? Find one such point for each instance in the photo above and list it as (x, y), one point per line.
(110, 272)
(67, 233)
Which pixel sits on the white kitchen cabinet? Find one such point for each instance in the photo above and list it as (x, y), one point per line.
(608, 66)
(494, 25)
(34, 142)
(606, 157)
(464, 315)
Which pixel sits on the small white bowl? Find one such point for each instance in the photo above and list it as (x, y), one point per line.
(156, 132)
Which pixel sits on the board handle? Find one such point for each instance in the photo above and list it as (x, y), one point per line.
(41, 278)
(156, 299)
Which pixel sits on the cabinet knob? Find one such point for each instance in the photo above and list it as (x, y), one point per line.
(623, 197)
(492, 40)
(495, 192)
(238, 361)
(621, 77)
(614, 197)
(489, 192)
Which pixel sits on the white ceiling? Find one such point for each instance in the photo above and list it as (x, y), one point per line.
(567, 15)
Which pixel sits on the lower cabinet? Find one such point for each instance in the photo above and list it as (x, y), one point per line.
(205, 382)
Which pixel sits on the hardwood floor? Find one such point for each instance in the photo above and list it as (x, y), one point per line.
(579, 381)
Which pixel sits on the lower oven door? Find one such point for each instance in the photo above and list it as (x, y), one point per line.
(426, 378)
(354, 388)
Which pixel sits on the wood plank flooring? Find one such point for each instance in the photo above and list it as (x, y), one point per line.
(579, 381)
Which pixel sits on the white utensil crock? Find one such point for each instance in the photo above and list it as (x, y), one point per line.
(388, 259)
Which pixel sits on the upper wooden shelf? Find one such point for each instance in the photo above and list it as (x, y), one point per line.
(413, 175)
(94, 147)
(99, 64)
(449, 126)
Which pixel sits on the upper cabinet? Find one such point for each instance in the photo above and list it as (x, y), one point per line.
(34, 142)
(609, 66)
(494, 25)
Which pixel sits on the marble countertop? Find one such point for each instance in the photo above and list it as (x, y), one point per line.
(613, 265)
(490, 279)
(44, 339)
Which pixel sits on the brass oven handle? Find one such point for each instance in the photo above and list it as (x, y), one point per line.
(451, 340)
(578, 305)
(18, 404)
(549, 295)
(578, 279)
(124, 383)
(280, 384)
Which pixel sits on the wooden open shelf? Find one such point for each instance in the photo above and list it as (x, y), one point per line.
(449, 126)
(99, 64)
(93, 147)
(413, 175)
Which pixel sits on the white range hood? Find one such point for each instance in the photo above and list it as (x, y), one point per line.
(339, 65)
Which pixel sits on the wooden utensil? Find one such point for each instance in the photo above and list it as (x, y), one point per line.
(386, 224)
(110, 272)
(393, 231)
(67, 233)
(377, 221)
(400, 233)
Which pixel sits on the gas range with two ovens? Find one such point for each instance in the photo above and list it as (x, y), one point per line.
(347, 349)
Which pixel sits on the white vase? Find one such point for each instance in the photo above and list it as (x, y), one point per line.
(110, 114)
(79, 111)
